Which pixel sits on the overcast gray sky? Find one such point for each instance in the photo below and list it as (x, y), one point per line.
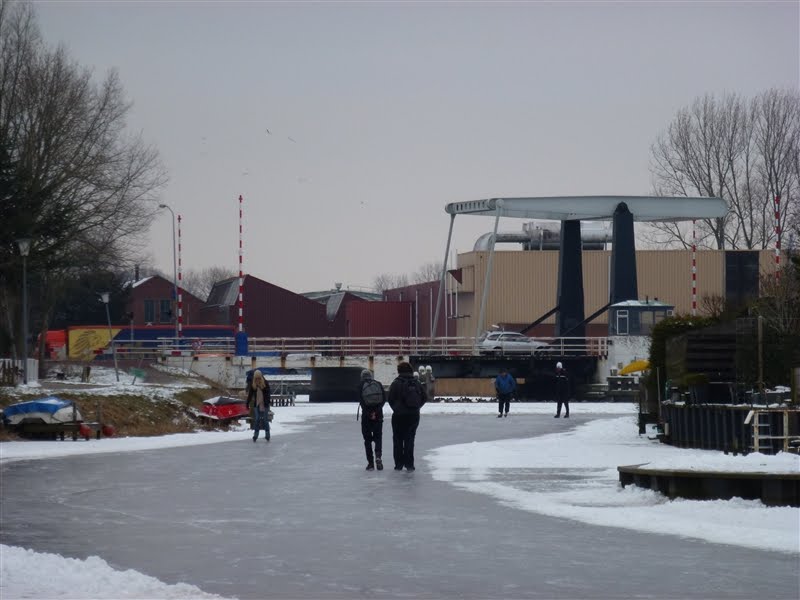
(381, 113)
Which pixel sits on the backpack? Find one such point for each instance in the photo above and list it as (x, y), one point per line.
(372, 393)
(412, 395)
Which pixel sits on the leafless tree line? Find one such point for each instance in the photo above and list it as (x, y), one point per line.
(744, 151)
(71, 179)
(431, 271)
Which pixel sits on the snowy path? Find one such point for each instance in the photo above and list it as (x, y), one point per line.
(300, 518)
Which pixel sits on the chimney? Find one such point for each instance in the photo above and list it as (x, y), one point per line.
(136, 272)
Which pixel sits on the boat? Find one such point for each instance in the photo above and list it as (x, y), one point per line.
(51, 410)
(224, 408)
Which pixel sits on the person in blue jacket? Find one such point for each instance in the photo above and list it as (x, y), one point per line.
(505, 385)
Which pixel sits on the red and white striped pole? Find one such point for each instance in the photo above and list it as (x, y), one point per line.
(777, 238)
(241, 277)
(180, 283)
(694, 269)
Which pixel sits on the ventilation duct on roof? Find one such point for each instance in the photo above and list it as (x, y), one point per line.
(546, 235)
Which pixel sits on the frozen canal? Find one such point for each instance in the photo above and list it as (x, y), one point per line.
(300, 518)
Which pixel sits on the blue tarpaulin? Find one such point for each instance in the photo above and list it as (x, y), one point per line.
(50, 409)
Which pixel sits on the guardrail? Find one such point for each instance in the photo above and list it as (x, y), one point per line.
(441, 346)
(353, 346)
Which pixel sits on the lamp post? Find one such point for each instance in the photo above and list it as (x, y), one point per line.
(24, 249)
(174, 265)
(104, 296)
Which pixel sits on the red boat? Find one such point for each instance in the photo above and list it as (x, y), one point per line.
(224, 408)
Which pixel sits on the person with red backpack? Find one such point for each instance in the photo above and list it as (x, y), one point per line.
(406, 397)
(372, 397)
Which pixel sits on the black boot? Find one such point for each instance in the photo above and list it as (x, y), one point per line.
(379, 463)
(370, 466)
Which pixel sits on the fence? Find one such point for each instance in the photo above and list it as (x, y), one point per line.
(739, 429)
(11, 371)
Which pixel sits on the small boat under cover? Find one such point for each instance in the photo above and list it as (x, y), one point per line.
(49, 410)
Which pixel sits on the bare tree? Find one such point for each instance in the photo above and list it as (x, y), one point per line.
(72, 180)
(200, 281)
(385, 281)
(780, 302)
(431, 271)
(743, 152)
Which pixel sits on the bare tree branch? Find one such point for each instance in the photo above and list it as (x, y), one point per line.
(743, 152)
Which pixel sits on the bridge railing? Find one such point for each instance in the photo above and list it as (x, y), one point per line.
(353, 346)
(440, 346)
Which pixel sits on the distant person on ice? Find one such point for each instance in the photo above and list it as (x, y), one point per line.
(406, 397)
(562, 390)
(505, 385)
(372, 397)
(258, 395)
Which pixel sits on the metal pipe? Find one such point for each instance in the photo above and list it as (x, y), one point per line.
(106, 297)
(24, 248)
(174, 265)
(444, 274)
(487, 279)
(591, 239)
(25, 318)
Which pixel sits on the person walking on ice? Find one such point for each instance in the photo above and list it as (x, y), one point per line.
(505, 385)
(372, 397)
(258, 394)
(406, 397)
(562, 390)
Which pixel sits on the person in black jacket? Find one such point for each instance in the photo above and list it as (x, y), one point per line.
(562, 390)
(406, 397)
(372, 397)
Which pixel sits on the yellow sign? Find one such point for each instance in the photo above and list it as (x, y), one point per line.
(85, 343)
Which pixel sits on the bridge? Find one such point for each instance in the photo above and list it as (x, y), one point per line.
(298, 359)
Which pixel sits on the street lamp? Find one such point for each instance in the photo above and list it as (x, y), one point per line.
(174, 266)
(24, 249)
(104, 296)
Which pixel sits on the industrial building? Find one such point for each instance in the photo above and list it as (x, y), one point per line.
(523, 285)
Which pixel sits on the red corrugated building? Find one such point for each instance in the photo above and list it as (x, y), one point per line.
(272, 311)
(423, 297)
(379, 319)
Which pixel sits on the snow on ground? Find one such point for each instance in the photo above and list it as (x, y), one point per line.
(574, 475)
(103, 382)
(568, 475)
(22, 576)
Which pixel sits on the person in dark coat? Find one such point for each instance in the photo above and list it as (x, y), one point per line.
(406, 397)
(505, 385)
(562, 390)
(258, 394)
(372, 418)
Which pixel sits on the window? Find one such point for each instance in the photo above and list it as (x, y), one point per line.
(149, 311)
(622, 322)
(741, 277)
(165, 314)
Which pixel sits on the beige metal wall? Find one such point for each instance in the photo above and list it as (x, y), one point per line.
(524, 284)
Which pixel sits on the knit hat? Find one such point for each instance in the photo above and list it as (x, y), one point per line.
(404, 367)
(366, 374)
(559, 365)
